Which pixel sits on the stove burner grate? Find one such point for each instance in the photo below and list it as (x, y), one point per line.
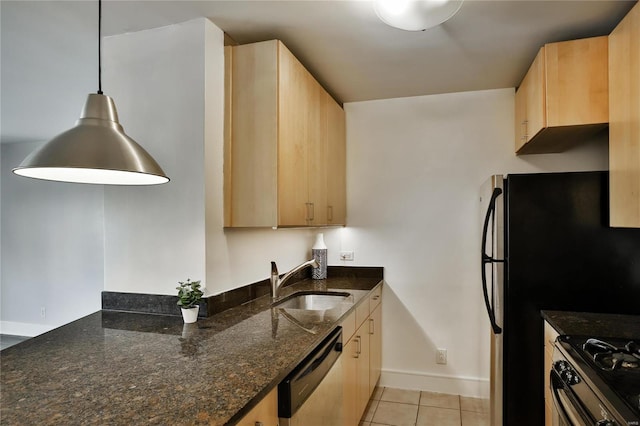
(609, 357)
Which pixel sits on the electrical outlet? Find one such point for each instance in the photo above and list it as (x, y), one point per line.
(441, 356)
(43, 312)
(346, 255)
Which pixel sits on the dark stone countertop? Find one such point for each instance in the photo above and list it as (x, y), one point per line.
(128, 368)
(594, 324)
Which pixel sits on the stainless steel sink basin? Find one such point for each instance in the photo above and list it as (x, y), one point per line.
(313, 301)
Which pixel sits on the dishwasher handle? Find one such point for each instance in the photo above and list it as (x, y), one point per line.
(294, 390)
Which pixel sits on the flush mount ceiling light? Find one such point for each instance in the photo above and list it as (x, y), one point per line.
(416, 15)
(95, 151)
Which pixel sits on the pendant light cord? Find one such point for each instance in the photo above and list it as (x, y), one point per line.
(99, 47)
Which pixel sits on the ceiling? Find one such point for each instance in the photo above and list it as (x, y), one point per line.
(48, 48)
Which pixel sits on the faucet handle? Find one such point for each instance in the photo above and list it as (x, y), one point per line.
(274, 269)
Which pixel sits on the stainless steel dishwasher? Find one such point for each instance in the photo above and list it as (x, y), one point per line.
(312, 394)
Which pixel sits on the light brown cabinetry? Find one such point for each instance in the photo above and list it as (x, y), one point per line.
(336, 163)
(350, 363)
(284, 131)
(362, 356)
(265, 413)
(564, 97)
(550, 335)
(624, 118)
(375, 346)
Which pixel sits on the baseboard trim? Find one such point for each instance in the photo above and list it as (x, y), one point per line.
(23, 328)
(455, 385)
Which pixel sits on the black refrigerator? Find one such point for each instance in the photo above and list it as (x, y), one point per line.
(547, 245)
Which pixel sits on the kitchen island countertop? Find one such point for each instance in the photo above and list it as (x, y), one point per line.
(128, 368)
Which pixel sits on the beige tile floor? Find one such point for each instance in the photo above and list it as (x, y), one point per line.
(400, 407)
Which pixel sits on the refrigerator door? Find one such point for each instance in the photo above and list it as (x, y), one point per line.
(492, 272)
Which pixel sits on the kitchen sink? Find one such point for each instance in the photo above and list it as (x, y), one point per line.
(313, 300)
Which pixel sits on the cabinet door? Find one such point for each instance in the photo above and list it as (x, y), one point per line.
(251, 155)
(521, 116)
(550, 336)
(535, 85)
(336, 164)
(317, 141)
(295, 122)
(266, 412)
(624, 121)
(350, 382)
(363, 352)
(577, 83)
(375, 347)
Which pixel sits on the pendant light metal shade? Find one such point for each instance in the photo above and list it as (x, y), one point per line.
(95, 151)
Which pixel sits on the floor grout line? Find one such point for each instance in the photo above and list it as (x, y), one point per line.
(459, 409)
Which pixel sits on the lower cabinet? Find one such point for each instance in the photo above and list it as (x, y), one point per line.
(361, 359)
(350, 382)
(375, 347)
(265, 413)
(550, 335)
(361, 365)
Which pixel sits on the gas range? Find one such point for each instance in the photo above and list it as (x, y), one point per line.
(596, 381)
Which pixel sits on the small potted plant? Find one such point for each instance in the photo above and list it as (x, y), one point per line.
(189, 296)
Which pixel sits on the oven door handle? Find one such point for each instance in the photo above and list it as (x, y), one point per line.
(565, 408)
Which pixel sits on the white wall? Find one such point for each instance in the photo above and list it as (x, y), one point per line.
(415, 167)
(52, 249)
(154, 236)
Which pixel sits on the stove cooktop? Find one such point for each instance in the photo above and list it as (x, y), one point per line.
(616, 362)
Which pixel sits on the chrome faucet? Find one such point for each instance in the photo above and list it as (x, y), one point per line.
(277, 282)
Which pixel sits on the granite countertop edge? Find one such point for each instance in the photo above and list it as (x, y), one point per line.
(100, 365)
(593, 324)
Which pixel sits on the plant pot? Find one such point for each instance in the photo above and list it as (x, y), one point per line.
(190, 315)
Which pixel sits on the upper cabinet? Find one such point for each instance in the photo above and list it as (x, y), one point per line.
(337, 164)
(285, 147)
(563, 97)
(624, 119)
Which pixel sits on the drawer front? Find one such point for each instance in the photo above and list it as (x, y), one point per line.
(375, 298)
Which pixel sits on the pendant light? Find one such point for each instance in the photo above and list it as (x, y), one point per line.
(96, 150)
(416, 15)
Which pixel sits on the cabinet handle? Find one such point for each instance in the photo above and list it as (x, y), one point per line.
(310, 211)
(358, 347)
(372, 326)
(330, 213)
(525, 137)
(376, 297)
